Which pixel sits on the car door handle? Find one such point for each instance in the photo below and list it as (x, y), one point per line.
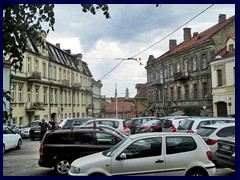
(159, 161)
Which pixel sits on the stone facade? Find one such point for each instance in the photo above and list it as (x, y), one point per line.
(180, 79)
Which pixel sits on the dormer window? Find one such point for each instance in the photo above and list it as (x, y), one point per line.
(230, 47)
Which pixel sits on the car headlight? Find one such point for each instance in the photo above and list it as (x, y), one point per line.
(74, 170)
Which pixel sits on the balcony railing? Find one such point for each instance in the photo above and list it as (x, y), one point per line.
(65, 82)
(181, 76)
(34, 75)
(34, 106)
(77, 85)
(156, 82)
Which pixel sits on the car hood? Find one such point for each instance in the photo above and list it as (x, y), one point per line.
(92, 159)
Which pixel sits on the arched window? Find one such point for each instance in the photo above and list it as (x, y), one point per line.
(219, 77)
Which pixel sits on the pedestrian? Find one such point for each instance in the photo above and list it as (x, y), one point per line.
(51, 124)
(44, 127)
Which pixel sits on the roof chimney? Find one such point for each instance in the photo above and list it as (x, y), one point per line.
(172, 44)
(68, 51)
(195, 34)
(58, 45)
(187, 34)
(221, 18)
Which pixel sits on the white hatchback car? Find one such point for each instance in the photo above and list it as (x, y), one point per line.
(11, 139)
(118, 124)
(211, 134)
(150, 154)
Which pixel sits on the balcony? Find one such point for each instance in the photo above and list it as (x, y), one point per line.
(65, 82)
(32, 106)
(34, 75)
(77, 85)
(156, 82)
(181, 76)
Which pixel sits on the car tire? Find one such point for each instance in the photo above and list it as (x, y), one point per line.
(19, 145)
(197, 172)
(62, 166)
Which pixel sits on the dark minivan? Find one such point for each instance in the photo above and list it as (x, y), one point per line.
(60, 147)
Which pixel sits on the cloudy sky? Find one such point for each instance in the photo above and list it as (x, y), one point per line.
(133, 28)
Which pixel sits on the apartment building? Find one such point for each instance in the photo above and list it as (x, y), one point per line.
(180, 79)
(53, 83)
(223, 79)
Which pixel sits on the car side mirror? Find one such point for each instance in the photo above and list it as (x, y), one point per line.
(122, 156)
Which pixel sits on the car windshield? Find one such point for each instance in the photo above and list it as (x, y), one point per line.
(149, 123)
(204, 131)
(111, 152)
(34, 123)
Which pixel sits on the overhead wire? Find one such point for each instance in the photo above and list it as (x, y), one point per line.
(132, 58)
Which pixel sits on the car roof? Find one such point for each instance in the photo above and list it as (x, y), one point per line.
(107, 119)
(135, 136)
(218, 125)
(210, 118)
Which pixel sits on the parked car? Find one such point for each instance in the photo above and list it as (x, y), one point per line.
(68, 123)
(35, 130)
(60, 147)
(24, 131)
(150, 126)
(171, 123)
(169, 154)
(119, 124)
(211, 134)
(225, 154)
(193, 124)
(11, 139)
(102, 128)
(134, 122)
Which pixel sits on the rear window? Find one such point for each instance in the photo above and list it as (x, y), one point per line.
(114, 124)
(167, 124)
(176, 145)
(205, 131)
(186, 125)
(78, 122)
(57, 138)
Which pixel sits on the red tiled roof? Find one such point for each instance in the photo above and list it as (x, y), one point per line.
(231, 36)
(142, 94)
(111, 106)
(204, 36)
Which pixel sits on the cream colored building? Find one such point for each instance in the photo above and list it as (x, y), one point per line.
(223, 80)
(53, 83)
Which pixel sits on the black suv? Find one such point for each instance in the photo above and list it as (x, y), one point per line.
(60, 147)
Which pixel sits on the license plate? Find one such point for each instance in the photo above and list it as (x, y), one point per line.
(227, 147)
(37, 131)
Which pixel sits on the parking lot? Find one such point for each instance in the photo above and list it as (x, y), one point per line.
(24, 162)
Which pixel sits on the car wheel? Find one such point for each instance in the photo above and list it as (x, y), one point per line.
(62, 166)
(197, 172)
(19, 144)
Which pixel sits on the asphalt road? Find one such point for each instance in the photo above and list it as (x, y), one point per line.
(24, 162)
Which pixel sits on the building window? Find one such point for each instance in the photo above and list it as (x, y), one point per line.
(45, 95)
(13, 93)
(69, 97)
(78, 100)
(219, 77)
(61, 97)
(29, 94)
(56, 99)
(194, 64)
(20, 94)
(54, 73)
(166, 94)
(36, 65)
(74, 100)
(186, 66)
(64, 74)
(178, 67)
(165, 71)
(186, 92)
(72, 78)
(172, 93)
(37, 94)
(60, 74)
(51, 96)
(65, 97)
(179, 93)
(204, 61)
(171, 70)
(50, 72)
(195, 91)
(44, 69)
(231, 48)
(205, 89)
(28, 65)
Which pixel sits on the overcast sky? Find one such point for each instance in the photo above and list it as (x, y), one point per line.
(131, 29)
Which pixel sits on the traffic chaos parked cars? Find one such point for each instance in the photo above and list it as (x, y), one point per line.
(60, 147)
(150, 126)
(133, 123)
(118, 124)
(225, 154)
(169, 154)
(193, 124)
(11, 139)
(212, 133)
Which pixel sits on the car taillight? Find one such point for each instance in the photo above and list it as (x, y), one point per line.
(173, 128)
(143, 127)
(41, 150)
(209, 155)
(157, 127)
(190, 131)
(126, 129)
(211, 141)
(130, 126)
(59, 127)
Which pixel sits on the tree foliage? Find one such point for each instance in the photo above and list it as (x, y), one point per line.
(93, 7)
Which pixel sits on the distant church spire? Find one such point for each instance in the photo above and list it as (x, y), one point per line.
(127, 94)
